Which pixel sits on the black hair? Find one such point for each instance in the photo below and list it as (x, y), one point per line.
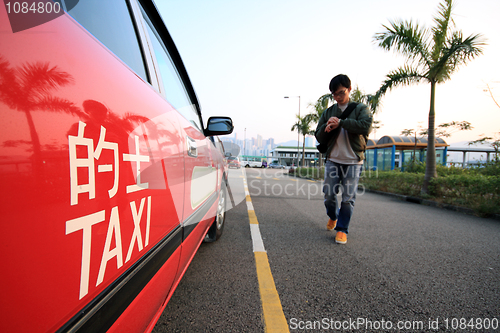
(340, 80)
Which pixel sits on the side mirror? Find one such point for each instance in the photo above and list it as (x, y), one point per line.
(219, 126)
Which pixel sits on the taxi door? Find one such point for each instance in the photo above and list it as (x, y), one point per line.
(200, 173)
(200, 191)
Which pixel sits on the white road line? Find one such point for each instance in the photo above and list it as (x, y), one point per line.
(258, 244)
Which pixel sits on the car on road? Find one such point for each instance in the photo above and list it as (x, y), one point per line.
(253, 161)
(233, 162)
(110, 178)
(276, 165)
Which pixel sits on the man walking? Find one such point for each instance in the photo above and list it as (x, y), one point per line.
(344, 129)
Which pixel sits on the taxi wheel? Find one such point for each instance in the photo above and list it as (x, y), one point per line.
(217, 227)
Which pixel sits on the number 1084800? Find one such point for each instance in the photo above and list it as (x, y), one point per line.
(34, 7)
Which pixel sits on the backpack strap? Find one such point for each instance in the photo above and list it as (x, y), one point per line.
(348, 110)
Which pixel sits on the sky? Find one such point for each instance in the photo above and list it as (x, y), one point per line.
(244, 56)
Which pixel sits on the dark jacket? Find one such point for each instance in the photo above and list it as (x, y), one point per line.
(358, 125)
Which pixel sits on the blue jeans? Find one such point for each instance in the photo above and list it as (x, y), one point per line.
(346, 178)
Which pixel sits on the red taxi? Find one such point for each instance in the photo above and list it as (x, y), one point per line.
(109, 179)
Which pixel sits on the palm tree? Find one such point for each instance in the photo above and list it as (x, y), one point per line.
(303, 126)
(357, 95)
(323, 103)
(431, 56)
(27, 88)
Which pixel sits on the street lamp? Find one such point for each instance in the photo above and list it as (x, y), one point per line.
(298, 133)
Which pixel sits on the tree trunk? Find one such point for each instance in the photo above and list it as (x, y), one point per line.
(37, 147)
(430, 166)
(303, 151)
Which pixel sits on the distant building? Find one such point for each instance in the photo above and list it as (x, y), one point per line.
(388, 153)
(391, 152)
(310, 141)
(232, 148)
(259, 141)
(286, 155)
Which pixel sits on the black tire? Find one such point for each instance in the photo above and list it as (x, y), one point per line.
(215, 231)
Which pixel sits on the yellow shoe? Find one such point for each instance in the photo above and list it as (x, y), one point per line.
(341, 237)
(331, 224)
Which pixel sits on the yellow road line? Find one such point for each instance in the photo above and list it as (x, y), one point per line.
(274, 318)
(252, 217)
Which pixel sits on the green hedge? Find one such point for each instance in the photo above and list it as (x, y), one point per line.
(475, 191)
(479, 192)
(393, 181)
(476, 188)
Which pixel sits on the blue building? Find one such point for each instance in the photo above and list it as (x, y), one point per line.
(392, 152)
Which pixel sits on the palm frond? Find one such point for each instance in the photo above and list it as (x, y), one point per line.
(444, 22)
(9, 85)
(358, 96)
(135, 118)
(457, 52)
(407, 38)
(402, 76)
(319, 107)
(323, 103)
(303, 124)
(57, 104)
(311, 117)
(374, 102)
(41, 78)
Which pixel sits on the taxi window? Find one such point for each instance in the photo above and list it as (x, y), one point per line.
(110, 22)
(173, 88)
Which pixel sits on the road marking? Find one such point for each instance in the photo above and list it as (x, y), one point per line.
(258, 244)
(250, 206)
(252, 217)
(274, 318)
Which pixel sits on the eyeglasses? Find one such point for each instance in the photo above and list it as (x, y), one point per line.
(339, 94)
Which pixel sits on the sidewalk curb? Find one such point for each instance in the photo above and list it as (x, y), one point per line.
(432, 203)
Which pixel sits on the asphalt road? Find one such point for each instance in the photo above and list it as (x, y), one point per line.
(405, 268)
